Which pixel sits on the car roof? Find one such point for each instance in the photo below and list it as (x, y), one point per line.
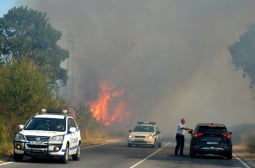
(146, 125)
(49, 116)
(211, 124)
(52, 113)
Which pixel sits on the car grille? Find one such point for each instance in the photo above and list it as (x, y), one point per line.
(38, 138)
(37, 141)
(139, 136)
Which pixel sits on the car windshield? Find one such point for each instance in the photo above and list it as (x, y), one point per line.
(46, 124)
(142, 128)
(215, 129)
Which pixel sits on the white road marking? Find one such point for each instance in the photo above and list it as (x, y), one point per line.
(5, 163)
(241, 161)
(147, 157)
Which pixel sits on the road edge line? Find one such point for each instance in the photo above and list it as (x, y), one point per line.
(5, 163)
(241, 161)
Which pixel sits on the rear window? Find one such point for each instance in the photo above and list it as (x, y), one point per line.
(212, 129)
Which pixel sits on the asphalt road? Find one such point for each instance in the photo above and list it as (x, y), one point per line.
(118, 155)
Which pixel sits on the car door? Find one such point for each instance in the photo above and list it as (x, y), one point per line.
(74, 140)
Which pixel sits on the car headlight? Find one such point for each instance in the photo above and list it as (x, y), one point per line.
(150, 136)
(19, 137)
(130, 136)
(56, 139)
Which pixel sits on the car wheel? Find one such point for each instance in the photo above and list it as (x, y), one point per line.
(65, 158)
(34, 158)
(17, 157)
(78, 153)
(192, 153)
(160, 144)
(154, 144)
(229, 156)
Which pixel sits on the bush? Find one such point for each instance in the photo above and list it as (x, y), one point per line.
(5, 138)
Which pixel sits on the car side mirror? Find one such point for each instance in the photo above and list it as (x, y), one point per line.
(158, 132)
(72, 129)
(21, 127)
(230, 132)
(130, 131)
(190, 131)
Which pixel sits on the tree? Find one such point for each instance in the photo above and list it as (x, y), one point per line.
(27, 33)
(24, 90)
(243, 53)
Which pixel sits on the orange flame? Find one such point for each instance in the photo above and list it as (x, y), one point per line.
(107, 108)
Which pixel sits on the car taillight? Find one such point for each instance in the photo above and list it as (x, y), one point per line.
(196, 135)
(228, 136)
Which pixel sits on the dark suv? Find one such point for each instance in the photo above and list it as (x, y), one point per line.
(210, 138)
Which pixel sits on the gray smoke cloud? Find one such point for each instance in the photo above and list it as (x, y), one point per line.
(170, 56)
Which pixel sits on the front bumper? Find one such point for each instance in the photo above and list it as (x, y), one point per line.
(141, 141)
(42, 150)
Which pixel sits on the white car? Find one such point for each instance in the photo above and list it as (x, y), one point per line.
(145, 134)
(50, 134)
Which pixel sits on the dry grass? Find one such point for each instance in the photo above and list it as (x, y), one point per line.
(5, 141)
(249, 143)
(93, 137)
(241, 151)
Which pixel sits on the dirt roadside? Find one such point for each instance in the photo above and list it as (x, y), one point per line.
(5, 158)
(248, 157)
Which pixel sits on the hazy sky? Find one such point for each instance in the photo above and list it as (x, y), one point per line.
(170, 55)
(6, 5)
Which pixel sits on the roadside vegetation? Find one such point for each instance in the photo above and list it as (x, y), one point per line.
(243, 136)
(249, 143)
(242, 53)
(31, 75)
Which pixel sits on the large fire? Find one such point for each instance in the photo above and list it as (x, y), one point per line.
(109, 106)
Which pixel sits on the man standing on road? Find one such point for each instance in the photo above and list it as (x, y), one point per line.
(180, 137)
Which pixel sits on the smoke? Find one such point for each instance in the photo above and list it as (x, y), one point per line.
(171, 56)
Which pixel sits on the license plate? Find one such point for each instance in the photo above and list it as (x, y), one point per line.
(36, 143)
(212, 143)
(139, 140)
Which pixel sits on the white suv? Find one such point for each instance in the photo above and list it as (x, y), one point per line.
(145, 134)
(52, 134)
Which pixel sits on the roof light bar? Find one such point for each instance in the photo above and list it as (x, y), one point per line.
(43, 110)
(50, 111)
(151, 122)
(65, 111)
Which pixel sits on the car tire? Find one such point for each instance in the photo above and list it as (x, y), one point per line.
(192, 153)
(229, 156)
(154, 144)
(160, 145)
(34, 158)
(65, 158)
(78, 153)
(17, 157)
